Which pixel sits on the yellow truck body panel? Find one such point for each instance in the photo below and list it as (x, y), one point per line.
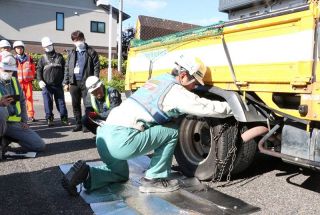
(270, 55)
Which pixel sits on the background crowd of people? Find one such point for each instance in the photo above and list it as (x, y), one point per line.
(54, 75)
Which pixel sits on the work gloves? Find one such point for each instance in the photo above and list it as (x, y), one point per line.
(92, 115)
(42, 84)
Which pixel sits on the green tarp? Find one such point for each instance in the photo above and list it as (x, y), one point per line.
(212, 30)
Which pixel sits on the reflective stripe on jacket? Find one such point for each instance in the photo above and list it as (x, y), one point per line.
(17, 116)
(26, 70)
(94, 102)
(151, 96)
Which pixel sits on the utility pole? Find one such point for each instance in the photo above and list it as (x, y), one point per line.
(120, 36)
(110, 45)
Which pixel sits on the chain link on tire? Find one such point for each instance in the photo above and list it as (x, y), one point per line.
(231, 154)
(218, 174)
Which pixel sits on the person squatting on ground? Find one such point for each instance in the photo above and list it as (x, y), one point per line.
(82, 62)
(50, 74)
(142, 123)
(26, 74)
(100, 101)
(13, 113)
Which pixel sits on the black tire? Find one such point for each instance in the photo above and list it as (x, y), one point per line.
(195, 155)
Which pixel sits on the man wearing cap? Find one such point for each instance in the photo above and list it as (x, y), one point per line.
(100, 101)
(26, 74)
(145, 122)
(50, 74)
(13, 114)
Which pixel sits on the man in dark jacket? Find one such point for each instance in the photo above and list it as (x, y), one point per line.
(50, 74)
(99, 103)
(82, 62)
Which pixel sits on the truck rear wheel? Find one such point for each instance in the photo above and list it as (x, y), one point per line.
(196, 155)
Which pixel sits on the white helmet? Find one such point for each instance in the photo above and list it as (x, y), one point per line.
(18, 43)
(93, 83)
(4, 43)
(45, 41)
(7, 61)
(194, 66)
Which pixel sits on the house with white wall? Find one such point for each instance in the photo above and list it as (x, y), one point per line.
(30, 20)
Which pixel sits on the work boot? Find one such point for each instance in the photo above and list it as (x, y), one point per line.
(65, 121)
(77, 174)
(50, 122)
(78, 127)
(158, 185)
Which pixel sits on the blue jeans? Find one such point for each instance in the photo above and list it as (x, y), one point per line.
(56, 92)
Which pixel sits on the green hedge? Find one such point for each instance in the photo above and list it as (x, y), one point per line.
(35, 85)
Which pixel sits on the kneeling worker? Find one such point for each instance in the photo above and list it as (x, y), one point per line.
(145, 122)
(99, 102)
(13, 112)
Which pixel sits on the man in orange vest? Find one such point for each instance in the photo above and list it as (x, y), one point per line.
(26, 74)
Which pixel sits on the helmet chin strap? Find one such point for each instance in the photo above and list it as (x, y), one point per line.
(190, 82)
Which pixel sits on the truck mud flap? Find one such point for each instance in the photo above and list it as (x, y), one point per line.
(192, 198)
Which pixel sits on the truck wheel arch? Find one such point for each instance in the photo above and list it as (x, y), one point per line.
(241, 111)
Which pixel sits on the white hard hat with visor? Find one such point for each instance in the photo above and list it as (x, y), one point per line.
(93, 83)
(193, 66)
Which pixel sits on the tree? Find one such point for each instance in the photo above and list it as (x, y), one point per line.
(127, 36)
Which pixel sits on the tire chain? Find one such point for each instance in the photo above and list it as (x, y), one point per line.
(231, 153)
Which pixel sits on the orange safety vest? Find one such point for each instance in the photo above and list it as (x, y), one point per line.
(26, 70)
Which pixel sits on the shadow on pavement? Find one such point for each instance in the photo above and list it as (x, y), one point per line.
(68, 146)
(263, 164)
(56, 131)
(311, 183)
(38, 192)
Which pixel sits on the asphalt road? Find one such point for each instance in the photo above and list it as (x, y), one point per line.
(32, 186)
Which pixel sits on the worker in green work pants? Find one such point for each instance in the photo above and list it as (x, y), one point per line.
(145, 122)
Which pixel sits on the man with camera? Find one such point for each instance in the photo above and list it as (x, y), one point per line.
(13, 112)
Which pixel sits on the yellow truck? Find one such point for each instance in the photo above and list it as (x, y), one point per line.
(264, 61)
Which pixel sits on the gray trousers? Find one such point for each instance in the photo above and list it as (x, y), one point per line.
(26, 138)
